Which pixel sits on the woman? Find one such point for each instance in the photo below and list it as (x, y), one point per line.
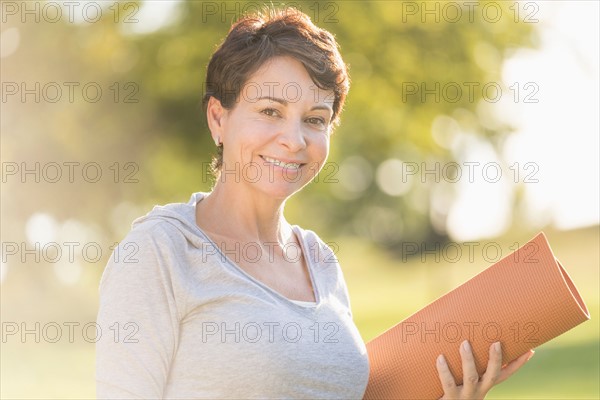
(222, 297)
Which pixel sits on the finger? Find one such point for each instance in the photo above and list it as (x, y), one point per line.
(470, 375)
(513, 366)
(494, 367)
(446, 377)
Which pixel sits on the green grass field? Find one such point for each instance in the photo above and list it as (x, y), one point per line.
(383, 290)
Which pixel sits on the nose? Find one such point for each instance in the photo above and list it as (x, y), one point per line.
(292, 137)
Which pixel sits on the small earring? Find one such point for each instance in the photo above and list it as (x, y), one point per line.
(218, 141)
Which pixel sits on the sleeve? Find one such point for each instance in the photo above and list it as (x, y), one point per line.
(138, 319)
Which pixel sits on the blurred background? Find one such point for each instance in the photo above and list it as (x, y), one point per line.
(469, 126)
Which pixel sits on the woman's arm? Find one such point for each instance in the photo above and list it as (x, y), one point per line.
(138, 319)
(473, 386)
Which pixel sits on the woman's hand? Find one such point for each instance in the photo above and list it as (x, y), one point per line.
(474, 387)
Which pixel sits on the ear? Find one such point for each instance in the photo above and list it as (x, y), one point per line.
(215, 116)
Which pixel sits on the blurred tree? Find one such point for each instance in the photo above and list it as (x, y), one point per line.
(407, 61)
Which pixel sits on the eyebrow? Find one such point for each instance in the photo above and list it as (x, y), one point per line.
(285, 103)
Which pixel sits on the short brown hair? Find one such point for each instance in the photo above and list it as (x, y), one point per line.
(255, 38)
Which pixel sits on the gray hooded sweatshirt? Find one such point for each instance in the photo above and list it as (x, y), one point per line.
(180, 319)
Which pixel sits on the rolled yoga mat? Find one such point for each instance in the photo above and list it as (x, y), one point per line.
(523, 300)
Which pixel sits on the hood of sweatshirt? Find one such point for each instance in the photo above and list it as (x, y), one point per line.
(180, 215)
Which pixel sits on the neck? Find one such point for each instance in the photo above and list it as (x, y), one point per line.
(250, 216)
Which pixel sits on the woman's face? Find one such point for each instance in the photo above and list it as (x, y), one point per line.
(276, 137)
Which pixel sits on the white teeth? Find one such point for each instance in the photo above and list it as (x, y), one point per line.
(281, 163)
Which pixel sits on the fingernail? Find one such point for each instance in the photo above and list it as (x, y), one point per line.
(532, 353)
(441, 360)
(466, 346)
(497, 347)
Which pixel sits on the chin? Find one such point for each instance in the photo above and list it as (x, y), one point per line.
(276, 186)
(280, 193)
(280, 190)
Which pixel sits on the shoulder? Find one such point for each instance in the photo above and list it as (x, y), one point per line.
(157, 241)
(144, 242)
(141, 251)
(167, 225)
(154, 231)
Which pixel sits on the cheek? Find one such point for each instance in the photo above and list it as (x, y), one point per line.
(319, 153)
(257, 131)
(321, 147)
(250, 133)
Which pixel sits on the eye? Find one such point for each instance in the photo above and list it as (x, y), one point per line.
(271, 112)
(316, 121)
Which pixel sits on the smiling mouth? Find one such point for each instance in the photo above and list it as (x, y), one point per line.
(281, 164)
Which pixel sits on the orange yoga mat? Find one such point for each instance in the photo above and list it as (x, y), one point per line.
(523, 300)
